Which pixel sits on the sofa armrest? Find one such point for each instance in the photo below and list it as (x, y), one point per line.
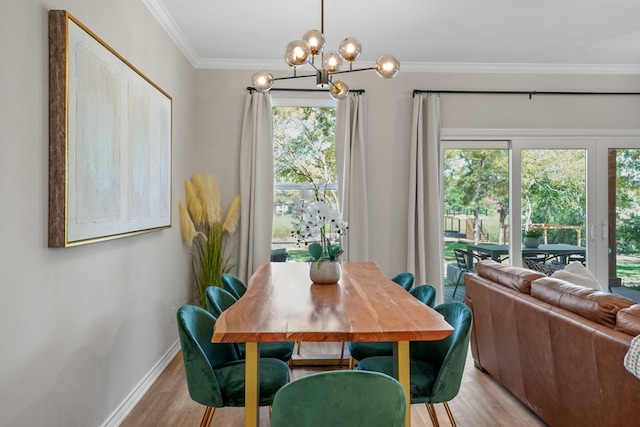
(628, 320)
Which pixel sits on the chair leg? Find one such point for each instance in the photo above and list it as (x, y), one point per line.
(352, 362)
(298, 351)
(460, 276)
(432, 414)
(206, 417)
(446, 407)
(341, 355)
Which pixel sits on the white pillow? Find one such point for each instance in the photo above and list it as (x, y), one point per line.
(578, 274)
(632, 358)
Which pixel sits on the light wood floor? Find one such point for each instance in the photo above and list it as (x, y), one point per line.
(481, 401)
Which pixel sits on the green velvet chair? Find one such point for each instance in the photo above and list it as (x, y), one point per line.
(405, 280)
(425, 293)
(233, 285)
(436, 366)
(215, 373)
(359, 350)
(218, 300)
(340, 399)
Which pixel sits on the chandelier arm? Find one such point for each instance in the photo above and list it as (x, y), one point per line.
(314, 66)
(294, 77)
(352, 71)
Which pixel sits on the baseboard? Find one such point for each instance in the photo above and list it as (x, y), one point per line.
(121, 412)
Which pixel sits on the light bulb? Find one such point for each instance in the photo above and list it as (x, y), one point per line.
(332, 62)
(316, 41)
(387, 66)
(262, 81)
(297, 53)
(338, 90)
(350, 49)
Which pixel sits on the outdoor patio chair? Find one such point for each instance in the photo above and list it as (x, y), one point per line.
(462, 259)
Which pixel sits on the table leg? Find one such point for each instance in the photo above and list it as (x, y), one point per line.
(252, 385)
(402, 362)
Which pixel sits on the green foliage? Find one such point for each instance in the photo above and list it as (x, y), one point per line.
(209, 261)
(554, 186)
(333, 252)
(627, 200)
(532, 232)
(478, 180)
(315, 250)
(304, 144)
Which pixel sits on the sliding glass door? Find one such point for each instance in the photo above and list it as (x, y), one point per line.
(582, 195)
(476, 202)
(553, 204)
(618, 224)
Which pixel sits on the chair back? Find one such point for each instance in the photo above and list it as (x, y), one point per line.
(340, 398)
(218, 300)
(461, 260)
(450, 354)
(200, 355)
(233, 285)
(425, 293)
(405, 279)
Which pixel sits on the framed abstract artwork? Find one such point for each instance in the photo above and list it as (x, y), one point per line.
(109, 141)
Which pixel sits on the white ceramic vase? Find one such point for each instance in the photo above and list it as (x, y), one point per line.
(324, 272)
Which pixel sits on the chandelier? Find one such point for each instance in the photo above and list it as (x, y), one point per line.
(305, 50)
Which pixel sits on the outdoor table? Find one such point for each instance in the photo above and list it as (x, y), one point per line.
(498, 252)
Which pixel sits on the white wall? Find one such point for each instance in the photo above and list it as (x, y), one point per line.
(389, 103)
(80, 327)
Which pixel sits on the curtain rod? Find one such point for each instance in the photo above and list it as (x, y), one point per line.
(529, 93)
(284, 89)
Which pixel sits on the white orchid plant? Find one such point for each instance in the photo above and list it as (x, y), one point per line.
(314, 218)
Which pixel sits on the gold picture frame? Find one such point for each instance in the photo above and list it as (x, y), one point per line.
(109, 141)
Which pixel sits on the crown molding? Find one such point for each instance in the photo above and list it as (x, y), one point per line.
(508, 134)
(519, 68)
(171, 28)
(438, 67)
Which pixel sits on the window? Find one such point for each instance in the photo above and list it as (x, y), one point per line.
(581, 193)
(304, 151)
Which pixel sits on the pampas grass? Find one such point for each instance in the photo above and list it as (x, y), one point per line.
(202, 228)
(233, 215)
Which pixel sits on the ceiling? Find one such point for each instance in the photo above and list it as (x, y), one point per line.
(566, 36)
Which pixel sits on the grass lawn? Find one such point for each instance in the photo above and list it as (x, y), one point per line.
(628, 269)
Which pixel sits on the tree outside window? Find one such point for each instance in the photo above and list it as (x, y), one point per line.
(304, 150)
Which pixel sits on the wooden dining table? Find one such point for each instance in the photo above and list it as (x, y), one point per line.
(282, 304)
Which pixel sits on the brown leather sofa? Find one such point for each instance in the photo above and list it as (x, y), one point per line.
(556, 346)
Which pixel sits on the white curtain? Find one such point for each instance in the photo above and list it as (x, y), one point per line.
(350, 157)
(256, 184)
(424, 252)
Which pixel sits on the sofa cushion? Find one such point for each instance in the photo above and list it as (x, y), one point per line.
(628, 320)
(598, 306)
(578, 274)
(512, 277)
